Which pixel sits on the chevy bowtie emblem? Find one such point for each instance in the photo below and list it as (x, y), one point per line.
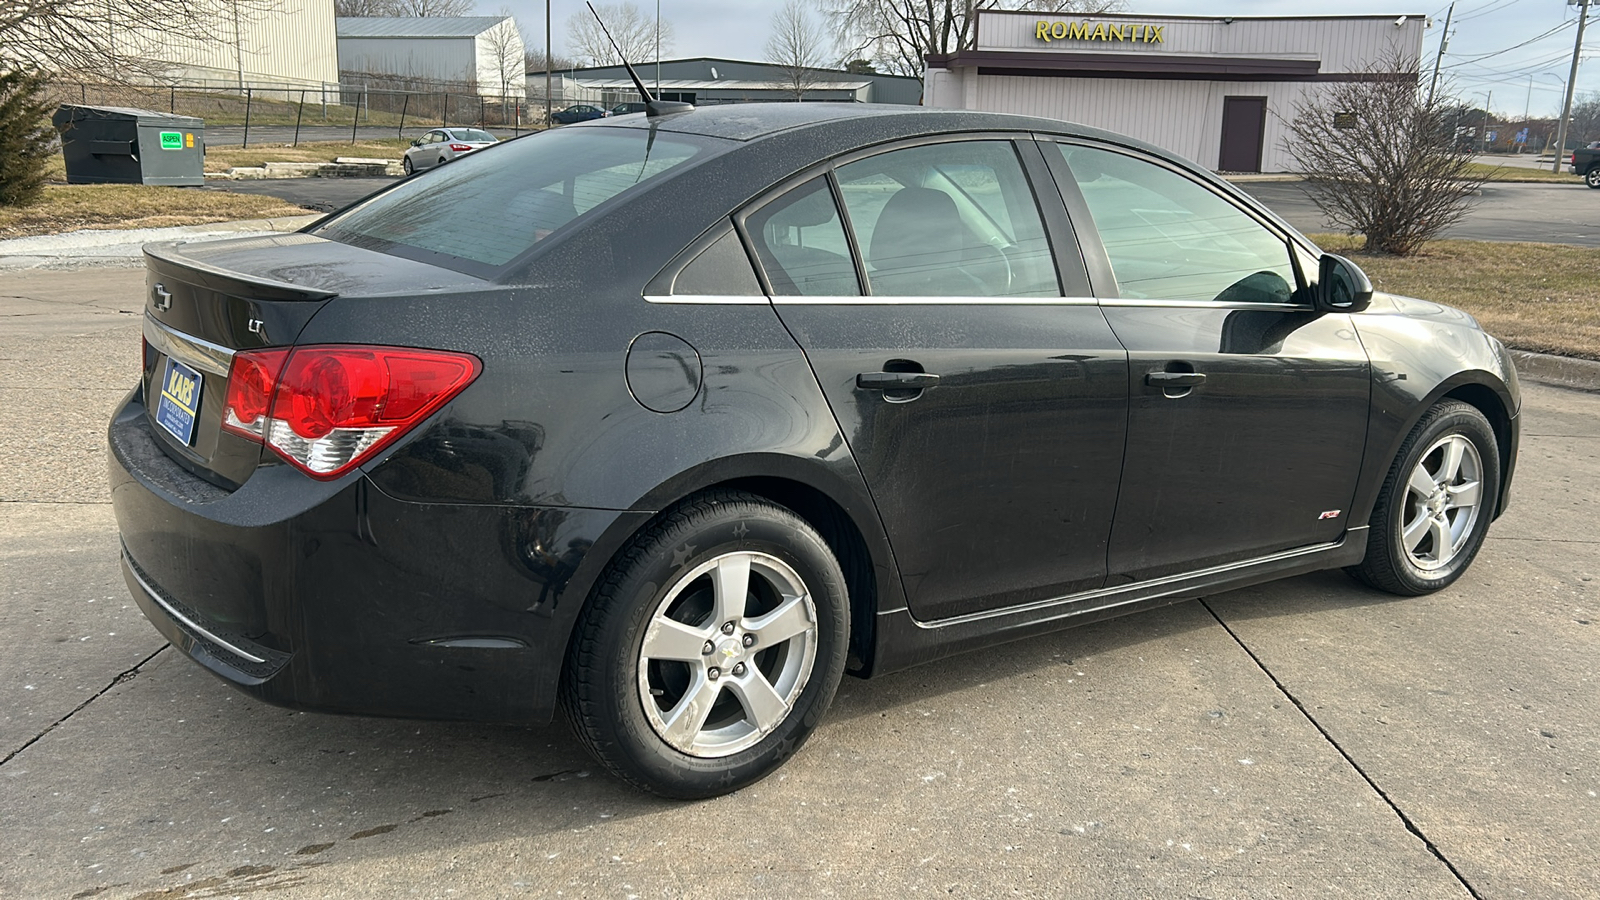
(160, 297)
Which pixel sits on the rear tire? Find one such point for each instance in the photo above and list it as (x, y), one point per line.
(1436, 503)
(1592, 177)
(711, 649)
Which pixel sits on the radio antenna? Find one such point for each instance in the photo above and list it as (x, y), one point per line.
(652, 106)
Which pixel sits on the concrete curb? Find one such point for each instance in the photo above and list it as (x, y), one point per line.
(342, 167)
(1559, 371)
(113, 247)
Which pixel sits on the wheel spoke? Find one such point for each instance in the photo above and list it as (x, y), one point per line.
(684, 721)
(1422, 483)
(1413, 533)
(1442, 543)
(1450, 466)
(671, 639)
(791, 618)
(765, 708)
(732, 581)
(1465, 495)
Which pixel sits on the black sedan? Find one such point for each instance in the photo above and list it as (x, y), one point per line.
(672, 421)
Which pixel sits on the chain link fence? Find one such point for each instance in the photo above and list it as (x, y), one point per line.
(292, 113)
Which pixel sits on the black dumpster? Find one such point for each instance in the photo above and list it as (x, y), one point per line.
(117, 145)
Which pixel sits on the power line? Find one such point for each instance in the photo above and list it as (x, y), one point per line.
(1548, 34)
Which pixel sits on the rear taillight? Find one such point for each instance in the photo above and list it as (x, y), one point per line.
(460, 148)
(327, 409)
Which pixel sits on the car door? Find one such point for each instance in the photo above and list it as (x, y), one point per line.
(985, 405)
(1248, 409)
(427, 155)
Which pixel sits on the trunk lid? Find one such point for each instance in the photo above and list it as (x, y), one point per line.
(205, 301)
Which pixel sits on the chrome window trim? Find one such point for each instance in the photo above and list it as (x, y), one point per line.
(185, 620)
(1205, 304)
(201, 354)
(883, 300)
(707, 299)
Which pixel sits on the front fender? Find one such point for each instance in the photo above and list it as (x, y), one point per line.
(1422, 352)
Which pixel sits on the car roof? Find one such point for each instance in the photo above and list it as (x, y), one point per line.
(753, 121)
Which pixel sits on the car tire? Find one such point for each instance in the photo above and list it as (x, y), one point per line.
(1592, 177)
(441, 162)
(1435, 505)
(689, 694)
(405, 164)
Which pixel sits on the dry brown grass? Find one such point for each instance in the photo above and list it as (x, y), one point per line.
(220, 159)
(1523, 174)
(1539, 297)
(77, 206)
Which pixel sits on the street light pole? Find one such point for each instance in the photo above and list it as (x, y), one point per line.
(1444, 41)
(548, 65)
(1572, 82)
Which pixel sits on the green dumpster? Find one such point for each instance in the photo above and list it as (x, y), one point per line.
(118, 145)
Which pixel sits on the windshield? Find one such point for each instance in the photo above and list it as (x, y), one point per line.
(486, 209)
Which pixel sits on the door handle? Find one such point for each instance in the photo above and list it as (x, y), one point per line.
(896, 381)
(1175, 379)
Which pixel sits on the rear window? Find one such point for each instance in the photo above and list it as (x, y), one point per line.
(485, 209)
(472, 134)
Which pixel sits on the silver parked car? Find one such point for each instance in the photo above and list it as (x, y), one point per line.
(441, 145)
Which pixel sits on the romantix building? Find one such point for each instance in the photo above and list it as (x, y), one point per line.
(1214, 88)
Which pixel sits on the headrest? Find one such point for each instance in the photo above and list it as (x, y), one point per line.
(918, 227)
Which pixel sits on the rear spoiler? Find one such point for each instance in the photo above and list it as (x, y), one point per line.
(169, 258)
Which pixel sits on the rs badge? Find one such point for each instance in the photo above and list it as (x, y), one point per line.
(1330, 514)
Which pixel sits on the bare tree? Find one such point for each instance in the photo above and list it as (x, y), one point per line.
(1381, 161)
(504, 44)
(431, 8)
(900, 34)
(795, 47)
(1585, 124)
(634, 30)
(535, 62)
(96, 36)
(363, 9)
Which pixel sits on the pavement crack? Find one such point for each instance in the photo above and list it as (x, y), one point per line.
(1389, 801)
(122, 678)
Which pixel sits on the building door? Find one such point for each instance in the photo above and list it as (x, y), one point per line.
(1244, 124)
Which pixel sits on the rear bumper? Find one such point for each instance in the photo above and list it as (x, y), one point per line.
(338, 597)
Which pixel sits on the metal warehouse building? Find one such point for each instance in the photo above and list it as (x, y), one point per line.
(482, 50)
(1213, 89)
(706, 81)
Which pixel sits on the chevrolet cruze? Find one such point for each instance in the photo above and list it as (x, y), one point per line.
(672, 421)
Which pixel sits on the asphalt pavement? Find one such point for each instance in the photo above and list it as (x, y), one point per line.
(1554, 213)
(320, 194)
(1307, 738)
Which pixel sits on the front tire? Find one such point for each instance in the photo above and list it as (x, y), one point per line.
(1436, 503)
(1592, 177)
(711, 649)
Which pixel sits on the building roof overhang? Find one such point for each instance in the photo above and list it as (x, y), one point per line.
(1134, 65)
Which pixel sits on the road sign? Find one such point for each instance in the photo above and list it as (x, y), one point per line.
(1522, 136)
(1492, 136)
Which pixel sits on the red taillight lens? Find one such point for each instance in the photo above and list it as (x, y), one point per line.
(250, 382)
(460, 148)
(327, 409)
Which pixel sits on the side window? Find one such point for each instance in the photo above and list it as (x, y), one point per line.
(721, 270)
(801, 244)
(949, 219)
(1169, 238)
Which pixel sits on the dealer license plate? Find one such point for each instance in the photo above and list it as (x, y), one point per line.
(180, 400)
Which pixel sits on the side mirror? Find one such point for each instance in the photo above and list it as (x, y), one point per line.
(1341, 286)
(417, 142)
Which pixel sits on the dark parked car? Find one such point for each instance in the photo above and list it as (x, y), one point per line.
(581, 112)
(672, 423)
(623, 109)
(1586, 162)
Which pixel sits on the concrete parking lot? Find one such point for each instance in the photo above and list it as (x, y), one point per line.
(1308, 738)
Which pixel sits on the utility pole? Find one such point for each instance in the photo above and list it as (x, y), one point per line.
(1444, 41)
(1572, 82)
(658, 49)
(548, 64)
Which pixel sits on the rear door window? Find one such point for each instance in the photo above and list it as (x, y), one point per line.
(800, 241)
(487, 209)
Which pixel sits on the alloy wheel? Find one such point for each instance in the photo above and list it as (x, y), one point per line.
(1443, 501)
(727, 653)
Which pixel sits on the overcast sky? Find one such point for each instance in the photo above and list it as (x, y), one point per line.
(738, 29)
